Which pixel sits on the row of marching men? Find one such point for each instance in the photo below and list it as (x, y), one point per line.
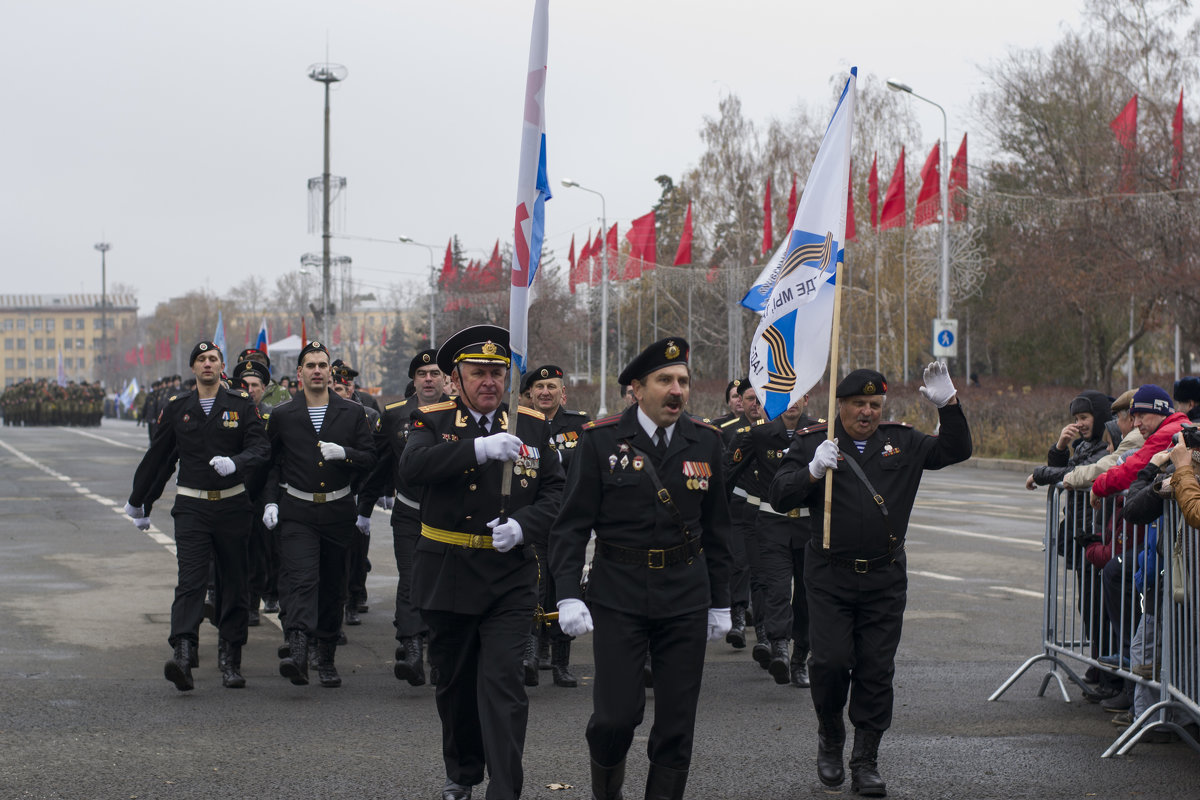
(496, 519)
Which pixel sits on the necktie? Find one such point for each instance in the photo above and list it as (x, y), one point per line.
(660, 441)
(483, 424)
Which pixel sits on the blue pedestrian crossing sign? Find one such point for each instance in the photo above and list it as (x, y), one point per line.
(945, 338)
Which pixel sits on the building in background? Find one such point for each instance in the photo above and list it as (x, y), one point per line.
(33, 327)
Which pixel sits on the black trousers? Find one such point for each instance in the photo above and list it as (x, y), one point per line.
(854, 628)
(676, 647)
(211, 532)
(785, 603)
(357, 567)
(754, 567)
(481, 693)
(547, 593)
(406, 531)
(741, 515)
(264, 558)
(313, 576)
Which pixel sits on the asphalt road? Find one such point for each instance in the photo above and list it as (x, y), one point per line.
(86, 713)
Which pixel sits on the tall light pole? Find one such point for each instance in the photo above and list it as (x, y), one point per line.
(944, 190)
(326, 74)
(603, 410)
(432, 288)
(103, 247)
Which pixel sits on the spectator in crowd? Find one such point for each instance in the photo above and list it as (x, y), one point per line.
(1125, 440)
(1187, 397)
(1080, 442)
(1157, 419)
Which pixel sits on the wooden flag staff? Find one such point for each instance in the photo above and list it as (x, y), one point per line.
(832, 411)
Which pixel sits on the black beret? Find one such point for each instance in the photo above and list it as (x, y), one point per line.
(862, 381)
(204, 347)
(1187, 388)
(744, 385)
(409, 390)
(312, 347)
(251, 368)
(424, 358)
(542, 373)
(736, 383)
(478, 344)
(342, 374)
(663, 353)
(251, 352)
(344, 367)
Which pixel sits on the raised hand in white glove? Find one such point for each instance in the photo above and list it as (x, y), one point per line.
(824, 459)
(135, 512)
(938, 388)
(271, 516)
(719, 623)
(386, 503)
(506, 535)
(363, 524)
(574, 617)
(331, 451)
(498, 447)
(223, 465)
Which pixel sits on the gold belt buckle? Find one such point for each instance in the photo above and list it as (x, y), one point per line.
(662, 559)
(794, 513)
(318, 497)
(861, 566)
(476, 541)
(214, 494)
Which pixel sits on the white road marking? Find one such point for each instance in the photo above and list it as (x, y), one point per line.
(989, 536)
(1022, 592)
(103, 439)
(936, 575)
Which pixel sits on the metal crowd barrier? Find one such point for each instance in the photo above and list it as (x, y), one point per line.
(1137, 618)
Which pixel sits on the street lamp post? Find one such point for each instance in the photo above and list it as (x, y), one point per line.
(944, 181)
(603, 410)
(103, 247)
(326, 74)
(432, 288)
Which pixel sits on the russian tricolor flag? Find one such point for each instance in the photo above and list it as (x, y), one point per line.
(260, 344)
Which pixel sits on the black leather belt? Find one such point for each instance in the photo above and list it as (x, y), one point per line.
(860, 565)
(654, 559)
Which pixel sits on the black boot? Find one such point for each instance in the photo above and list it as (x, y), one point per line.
(229, 661)
(800, 669)
(179, 669)
(410, 661)
(762, 648)
(543, 650)
(606, 781)
(352, 613)
(529, 661)
(779, 665)
(270, 605)
(831, 742)
(294, 666)
(560, 659)
(663, 783)
(864, 773)
(284, 648)
(737, 630)
(327, 673)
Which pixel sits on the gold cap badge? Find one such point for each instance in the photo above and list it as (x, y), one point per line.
(489, 349)
(672, 350)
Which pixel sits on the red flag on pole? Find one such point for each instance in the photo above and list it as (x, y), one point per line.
(1177, 143)
(303, 331)
(1124, 127)
(446, 279)
(584, 263)
(289, 333)
(597, 255)
(383, 335)
(642, 248)
(958, 183)
(768, 242)
(929, 199)
(873, 191)
(792, 204)
(611, 245)
(684, 254)
(851, 234)
(893, 213)
(362, 337)
(176, 333)
(337, 334)
(572, 273)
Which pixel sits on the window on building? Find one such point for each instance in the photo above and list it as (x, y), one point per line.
(79, 323)
(20, 344)
(81, 362)
(37, 344)
(20, 363)
(8, 343)
(95, 323)
(50, 344)
(68, 363)
(67, 343)
(8, 324)
(20, 324)
(39, 363)
(79, 345)
(67, 323)
(10, 381)
(37, 324)
(50, 324)
(95, 343)
(8, 363)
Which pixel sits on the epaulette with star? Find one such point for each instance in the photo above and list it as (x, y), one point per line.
(445, 405)
(603, 421)
(531, 412)
(704, 423)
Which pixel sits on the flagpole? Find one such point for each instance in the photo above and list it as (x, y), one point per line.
(831, 413)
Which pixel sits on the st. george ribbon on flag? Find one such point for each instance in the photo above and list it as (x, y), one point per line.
(795, 292)
(533, 190)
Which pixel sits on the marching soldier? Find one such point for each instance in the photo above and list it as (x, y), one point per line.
(733, 403)
(744, 582)
(363, 398)
(319, 445)
(856, 580)
(252, 377)
(273, 393)
(359, 564)
(544, 385)
(217, 437)
(474, 579)
(649, 482)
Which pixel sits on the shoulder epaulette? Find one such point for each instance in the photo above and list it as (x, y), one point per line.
(532, 412)
(243, 394)
(574, 413)
(729, 422)
(704, 423)
(445, 405)
(743, 429)
(396, 404)
(763, 421)
(819, 427)
(171, 399)
(599, 423)
(896, 424)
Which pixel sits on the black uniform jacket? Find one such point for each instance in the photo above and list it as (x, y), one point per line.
(565, 427)
(394, 425)
(296, 459)
(893, 460)
(460, 495)
(739, 466)
(608, 492)
(233, 428)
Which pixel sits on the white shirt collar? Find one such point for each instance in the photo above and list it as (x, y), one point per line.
(649, 426)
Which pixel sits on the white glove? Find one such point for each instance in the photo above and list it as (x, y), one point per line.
(271, 516)
(500, 447)
(136, 512)
(506, 535)
(363, 524)
(574, 617)
(332, 452)
(386, 503)
(142, 523)
(223, 465)
(938, 388)
(718, 623)
(825, 458)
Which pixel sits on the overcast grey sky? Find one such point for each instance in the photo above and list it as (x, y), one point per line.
(184, 134)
